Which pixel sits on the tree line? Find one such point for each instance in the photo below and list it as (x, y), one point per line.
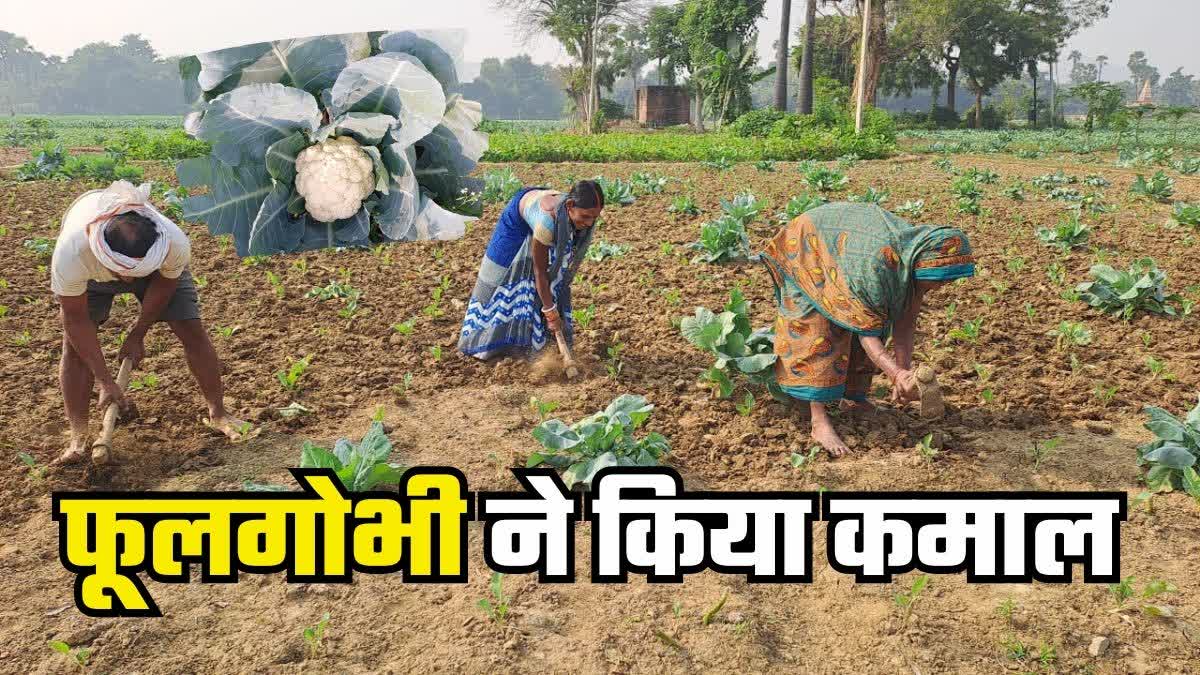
(131, 78)
(709, 45)
(1005, 50)
(929, 52)
(128, 78)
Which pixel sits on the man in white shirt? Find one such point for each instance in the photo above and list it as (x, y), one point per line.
(114, 241)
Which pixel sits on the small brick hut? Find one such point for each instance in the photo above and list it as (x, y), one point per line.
(663, 106)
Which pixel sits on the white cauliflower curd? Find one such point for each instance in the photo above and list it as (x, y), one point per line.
(334, 177)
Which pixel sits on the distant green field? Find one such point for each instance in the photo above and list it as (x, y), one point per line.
(81, 131)
(1154, 141)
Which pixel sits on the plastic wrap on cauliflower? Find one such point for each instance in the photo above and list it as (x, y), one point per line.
(334, 140)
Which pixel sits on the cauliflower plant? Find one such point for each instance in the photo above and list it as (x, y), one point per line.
(330, 141)
(334, 177)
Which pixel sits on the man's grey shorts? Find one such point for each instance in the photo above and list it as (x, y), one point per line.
(184, 305)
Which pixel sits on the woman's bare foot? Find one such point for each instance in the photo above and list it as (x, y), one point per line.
(234, 429)
(828, 438)
(823, 433)
(76, 451)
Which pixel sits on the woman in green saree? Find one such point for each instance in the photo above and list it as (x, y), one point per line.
(847, 276)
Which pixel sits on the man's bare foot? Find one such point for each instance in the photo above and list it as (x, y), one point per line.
(233, 428)
(857, 406)
(77, 451)
(828, 438)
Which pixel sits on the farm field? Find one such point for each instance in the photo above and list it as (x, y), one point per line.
(1014, 383)
(547, 140)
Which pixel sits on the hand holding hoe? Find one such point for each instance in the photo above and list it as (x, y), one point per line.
(568, 359)
(102, 448)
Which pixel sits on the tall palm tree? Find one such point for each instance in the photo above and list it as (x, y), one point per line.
(804, 104)
(1100, 61)
(781, 55)
(1075, 57)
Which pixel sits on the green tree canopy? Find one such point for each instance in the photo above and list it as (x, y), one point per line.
(99, 78)
(1179, 89)
(517, 88)
(1141, 70)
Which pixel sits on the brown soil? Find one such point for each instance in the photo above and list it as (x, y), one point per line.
(476, 417)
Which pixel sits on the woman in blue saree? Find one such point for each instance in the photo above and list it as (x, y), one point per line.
(524, 284)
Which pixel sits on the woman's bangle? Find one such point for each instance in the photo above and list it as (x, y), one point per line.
(551, 308)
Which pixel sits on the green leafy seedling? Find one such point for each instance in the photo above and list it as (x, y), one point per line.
(1071, 334)
(314, 636)
(495, 607)
(584, 316)
(290, 379)
(339, 290)
(1047, 655)
(1014, 649)
(615, 363)
(1040, 451)
(1104, 393)
(667, 640)
(969, 332)
(542, 408)
(1006, 609)
(276, 284)
(907, 599)
(1121, 591)
(715, 609)
(147, 381)
(746, 407)
(79, 656)
(1144, 601)
(401, 388)
(1159, 370)
(926, 450)
(36, 471)
(684, 205)
(805, 460)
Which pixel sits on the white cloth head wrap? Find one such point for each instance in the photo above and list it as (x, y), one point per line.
(122, 197)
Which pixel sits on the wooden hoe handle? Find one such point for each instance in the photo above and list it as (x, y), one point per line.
(102, 448)
(568, 359)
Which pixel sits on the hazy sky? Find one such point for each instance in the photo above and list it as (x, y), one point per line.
(1164, 29)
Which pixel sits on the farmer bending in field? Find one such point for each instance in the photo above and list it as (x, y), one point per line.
(112, 242)
(524, 284)
(846, 276)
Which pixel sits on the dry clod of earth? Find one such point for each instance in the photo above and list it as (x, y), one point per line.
(932, 406)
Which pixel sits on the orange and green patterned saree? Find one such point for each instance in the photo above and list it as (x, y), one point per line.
(847, 269)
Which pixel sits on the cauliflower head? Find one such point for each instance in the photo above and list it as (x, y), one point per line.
(334, 177)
